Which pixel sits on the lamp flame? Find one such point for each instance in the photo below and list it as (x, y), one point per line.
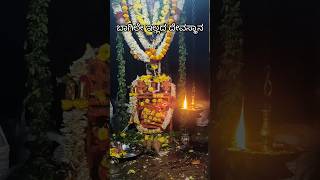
(240, 141)
(185, 103)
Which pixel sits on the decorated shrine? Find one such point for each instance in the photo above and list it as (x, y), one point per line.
(122, 89)
(150, 86)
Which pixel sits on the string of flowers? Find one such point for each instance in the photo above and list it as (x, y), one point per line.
(182, 63)
(121, 11)
(39, 99)
(121, 114)
(38, 102)
(230, 65)
(72, 151)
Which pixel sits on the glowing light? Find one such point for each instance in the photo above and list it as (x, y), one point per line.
(185, 103)
(240, 141)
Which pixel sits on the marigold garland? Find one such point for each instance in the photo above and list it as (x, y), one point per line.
(121, 10)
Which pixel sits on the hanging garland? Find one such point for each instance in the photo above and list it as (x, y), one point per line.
(72, 152)
(121, 114)
(39, 99)
(38, 102)
(230, 65)
(156, 52)
(182, 64)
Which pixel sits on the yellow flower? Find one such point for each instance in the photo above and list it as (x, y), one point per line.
(145, 77)
(113, 153)
(165, 145)
(162, 139)
(146, 137)
(123, 153)
(147, 101)
(150, 89)
(132, 94)
(137, 6)
(66, 104)
(104, 52)
(125, 8)
(123, 134)
(154, 100)
(141, 103)
(80, 103)
(154, 66)
(102, 134)
(131, 171)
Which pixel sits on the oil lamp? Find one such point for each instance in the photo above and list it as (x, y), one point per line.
(185, 137)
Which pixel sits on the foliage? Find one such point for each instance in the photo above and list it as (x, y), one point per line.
(130, 137)
(182, 63)
(121, 116)
(39, 98)
(230, 64)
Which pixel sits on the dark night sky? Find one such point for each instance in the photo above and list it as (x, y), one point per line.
(282, 33)
(71, 25)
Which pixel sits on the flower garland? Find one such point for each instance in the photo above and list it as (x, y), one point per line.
(143, 17)
(121, 114)
(154, 54)
(74, 129)
(72, 150)
(182, 64)
(230, 67)
(39, 99)
(38, 102)
(141, 36)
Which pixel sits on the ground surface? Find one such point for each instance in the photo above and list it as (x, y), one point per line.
(176, 164)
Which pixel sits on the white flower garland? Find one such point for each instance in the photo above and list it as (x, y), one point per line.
(155, 16)
(79, 67)
(73, 148)
(145, 12)
(141, 36)
(132, 43)
(143, 40)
